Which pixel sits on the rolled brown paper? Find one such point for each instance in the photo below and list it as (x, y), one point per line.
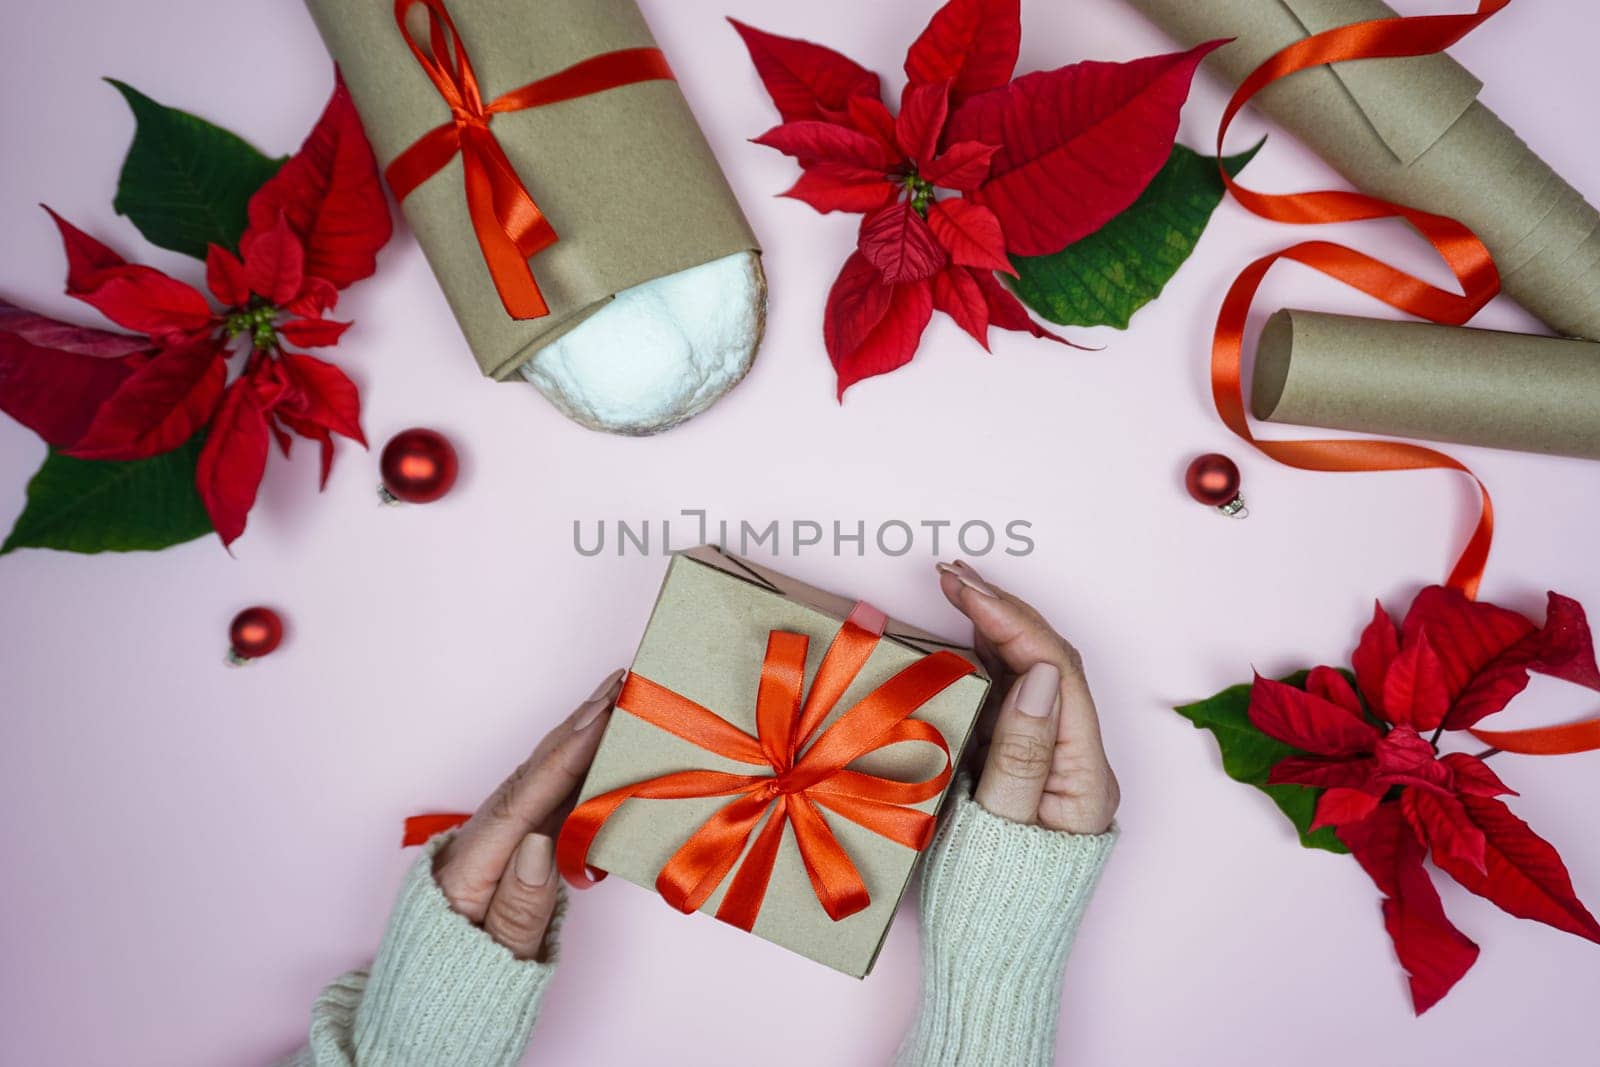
(1438, 383)
(625, 175)
(1412, 131)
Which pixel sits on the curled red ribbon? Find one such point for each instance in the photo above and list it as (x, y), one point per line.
(801, 780)
(509, 224)
(1466, 256)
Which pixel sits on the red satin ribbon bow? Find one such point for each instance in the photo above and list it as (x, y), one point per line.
(510, 227)
(1462, 251)
(801, 779)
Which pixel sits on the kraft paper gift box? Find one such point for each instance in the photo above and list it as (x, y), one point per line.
(706, 641)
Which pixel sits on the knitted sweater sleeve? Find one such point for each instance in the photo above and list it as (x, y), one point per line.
(440, 991)
(1000, 905)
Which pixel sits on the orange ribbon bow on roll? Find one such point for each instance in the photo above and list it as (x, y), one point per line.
(510, 227)
(801, 781)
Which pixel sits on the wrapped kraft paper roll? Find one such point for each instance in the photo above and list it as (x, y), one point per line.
(1438, 383)
(656, 294)
(1412, 131)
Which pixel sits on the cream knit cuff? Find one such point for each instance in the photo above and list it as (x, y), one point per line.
(441, 990)
(1000, 905)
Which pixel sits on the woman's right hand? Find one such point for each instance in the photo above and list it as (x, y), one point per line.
(499, 869)
(1046, 764)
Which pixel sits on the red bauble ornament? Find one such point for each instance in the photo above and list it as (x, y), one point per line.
(418, 466)
(1213, 480)
(253, 633)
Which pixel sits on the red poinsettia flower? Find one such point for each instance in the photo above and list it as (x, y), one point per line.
(314, 228)
(1393, 798)
(974, 168)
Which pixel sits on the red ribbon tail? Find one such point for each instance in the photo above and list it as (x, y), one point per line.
(1565, 740)
(509, 225)
(422, 828)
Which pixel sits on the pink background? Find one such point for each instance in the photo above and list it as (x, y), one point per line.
(191, 852)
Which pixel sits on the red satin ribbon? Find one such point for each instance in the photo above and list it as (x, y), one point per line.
(799, 782)
(1461, 250)
(510, 226)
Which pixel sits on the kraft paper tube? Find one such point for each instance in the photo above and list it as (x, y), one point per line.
(625, 176)
(1412, 131)
(1438, 383)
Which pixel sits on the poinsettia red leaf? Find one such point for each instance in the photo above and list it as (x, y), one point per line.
(86, 257)
(160, 406)
(923, 110)
(282, 436)
(143, 299)
(804, 78)
(971, 234)
(842, 187)
(1308, 722)
(1331, 685)
(331, 195)
(1380, 643)
(1339, 806)
(972, 44)
(1562, 648)
(313, 432)
(866, 114)
(1078, 144)
(54, 376)
(1442, 823)
(315, 297)
(822, 142)
(274, 261)
(958, 295)
(1007, 312)
(898, 241)
(1565, 645)
(233, 460)
(1433, 952)
(872, 327)
(45, 332)
(963, 166)
(1524, 874)
(225, 277)
(1472, 776)
(1404, 757)
(323, 395)
(1415, 692)
(311, 333)
(1471, 637)
(137, 297)
(1323, 772)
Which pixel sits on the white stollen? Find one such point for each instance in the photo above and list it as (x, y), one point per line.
(659, 353)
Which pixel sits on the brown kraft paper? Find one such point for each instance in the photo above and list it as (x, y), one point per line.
(1412, 131)
(706, 639)
(1438, 383)
(625, 176)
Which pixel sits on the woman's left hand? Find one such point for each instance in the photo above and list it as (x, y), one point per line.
(499, 869)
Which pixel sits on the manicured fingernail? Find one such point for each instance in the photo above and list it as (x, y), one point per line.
(535, 860)
(967, 577)
(598, 701)
(1039, 690)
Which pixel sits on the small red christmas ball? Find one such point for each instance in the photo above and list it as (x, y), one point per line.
(254, 633)
(418, 466)
(1213, 480)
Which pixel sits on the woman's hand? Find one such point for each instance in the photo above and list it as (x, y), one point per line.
(1046, 763)
(499, 869)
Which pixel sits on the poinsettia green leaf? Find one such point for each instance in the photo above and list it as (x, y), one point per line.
(1248, 756)
(81, 505)
(186, 182)
(1102, 279)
